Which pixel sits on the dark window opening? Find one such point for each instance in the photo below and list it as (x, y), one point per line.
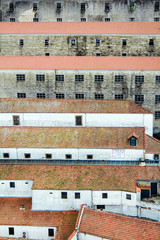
(139, 99)
(41, 95)
(98, 78)
(11, 7)
(47, 54)
(157, 99)
(83, 19)
(21, 95)
(59, 19)
(40, 78)
(59, 7)
(48, 155)
(99, 96)
(35, 7)
(79, 78)
(11, 230)
(68, 156)
(5, 155)
(156, 6)
(139, 79)
(157, 114)
(46, 43)
(119, 78)
(16, 120)
(101, 207)
(59, 95)
(131, 19)
(21, 42)
(20, 77)
(27, 155)
(128, 196)
(77, 195)
(118, 96)
(133, 141)
(78, 120)
(124, 54)
(156, 156)
(104, 195)
(107, 20)
(107, 7)
(83, 7)
(156, 19)
(50, 232)
(151, 42)
(73, 42)
(145, 193)
(35, 19)
(79, 96)
(97, 42)
(12, 184)
(124, 42)
(64, 195)
(157, 79)
(59, 78)
(89, 156)
(153, 188)
(12, 20)
(98, 54)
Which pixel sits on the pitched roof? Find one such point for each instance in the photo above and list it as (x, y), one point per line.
(80, 177)
(79, 63)
(152, 145)
(15, 105)
(70, 137)
(122, 28)
(118, 227)
(10, 210)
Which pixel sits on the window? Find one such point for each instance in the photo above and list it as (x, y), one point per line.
(89, 156)
(20, 77)
(119, 78)
(59, 78)
(41, 95)
(83, 19)
(98, 78)
(82, 7)
(21, 42)
(12, 19)
(27, 155)
(21, 95)
(139, 79)
(157, 115)
(35, 19)
(128, 196)
(157, 79)
(79, 78)
(40, 78)
(151, 42)
(99, 96)
(139, 99)
(119, 96)
(48, 155)
(98, 54)
(124, 42)
(97, 42)
(59, 19)
(59, 95)
(156, 6)
(101, 207)
(50, 232)
(73, 42)
(107, 20)
(124, 54)
(16, 120)
(107, 7)
(59, 7)
(12, 184)
(156, 19)
(156, 156)
(46, 43)
(11, 7)
(64, 195)
(79, 96)
(132, 141)
(77, 195)
(131, 19)
(157, 99)
(35, 7)
(104, 195)
(47, 54)
(11, 230)
(68, 156)
(78, 120)
(5, 155)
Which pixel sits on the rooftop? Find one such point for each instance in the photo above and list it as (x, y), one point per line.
(80, 177)
(79, 63)
(76, 28)
(152, 145)
(15, 105)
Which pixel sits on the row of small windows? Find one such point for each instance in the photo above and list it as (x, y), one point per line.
(50, 232)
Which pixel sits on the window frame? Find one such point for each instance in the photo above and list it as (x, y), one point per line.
(128, 196)
(64, 195)
(11, 230)
(20, 77)
(60, 96)
(77, 195)
(6, 155)
(78, 120)
(104, 195)
(79, 78)
(16, 120)
(68, 156)
(21, 95)
(139, 79)
(48, 156)
(79, 96)
(50, 232)
(12, 184)
(59, 77)
(157, 115)
(98, 96)
(98, 78)
(139, 99)
(119, 78)
(41, 95)
(131, 143)
(40, 77)
(27, 155)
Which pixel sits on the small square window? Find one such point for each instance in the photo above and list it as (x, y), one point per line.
(157, 115)
(59, 19)
(99, 96)
(157, 99)
(64, 195)
(20, 77)
(48, 156)
(79, 96)
(11, 230)
(98, 78)
(46, 43)
(107, 20)
(73, 42)
(16, 120)
(128, 196)
(124, 42)
(21, 42)
(124, 54)
(139, 99)
(89, 156)
(40, 78)
(156, 156)
(79, 78)
(27, 155)
(139, 79)
(68, 156)
(83, 19)
(59, 78)
(77, 195)
(118, 96)
(5, 155)
(47, 54)
(157, 79)
(35, 7)
(104, 195)
(59, 95)
(21, 95)
(35, 20)
(12, 184)
(151, 42)
(78, 120)
(12, 20)
(41, 95)
(119, 78)
(101, 207)
(97, 42)
(50, 232)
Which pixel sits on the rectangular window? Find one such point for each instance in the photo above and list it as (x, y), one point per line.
(156, 6)
(131, 19)
(16, 120)
(20, 77)
(68, 156)
(118, 96)
(77, 195)
(27, 155)
(98, 54)
(119, 78)
(139, 79)
(104, 195)
(12, 184)
(59, 19)
(11, 7)
(59, 78)
(98, 78)
(50, 232)
(64, 195)
(124, 42)
(83, 19)
(73, 42)
(5, 155)
(156, 19)
(107, 7)
(12, 20)
(79, 96)
(89, 156)
(107, 20)
(21, 42)
(78, 120)
(101, 207)
(124, 54)
(157, 79)
(11, 230)
(59, 7)
(35, 7)
(157, 115)
(157, 99)
(99, 96)
(59, 95)
(139, 99)
(35, 20)
(128, 196)
(151, 42)
(46, 43)
(41, 95)
(79, 78)
(48, 155)
(21, 95)
(97, 42)
(156, 156)
(47, 54)
(82, 7)
(40, 78)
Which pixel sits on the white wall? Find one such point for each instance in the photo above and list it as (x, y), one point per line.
(83, 236)
(39, 233)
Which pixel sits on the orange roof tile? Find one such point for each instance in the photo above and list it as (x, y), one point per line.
(118, 227)
(152, 145)
(70, 137)
(15, 105)
(75, 28)
(80, 63)
(63, 220)
(80, 177)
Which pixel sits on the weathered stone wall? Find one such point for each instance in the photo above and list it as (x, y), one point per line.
(62, 45)
(69, 87)
(118, 10)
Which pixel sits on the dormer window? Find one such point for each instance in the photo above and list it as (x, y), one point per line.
(132, 141)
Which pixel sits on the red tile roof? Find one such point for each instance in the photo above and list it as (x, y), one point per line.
(80, 177)
(14, 105)
(80, 63)
(70, 137)
(76, 28)
(152, 145)
(118, 227)
(12, 215)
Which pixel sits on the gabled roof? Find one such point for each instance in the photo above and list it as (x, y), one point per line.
(15, 105)
(152, 145)
(12, 215)
(70, 137)
(76, 28)
(79, 63)
(118, 227)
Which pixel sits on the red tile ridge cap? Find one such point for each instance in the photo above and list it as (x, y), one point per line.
(80, 214)
(72, 235)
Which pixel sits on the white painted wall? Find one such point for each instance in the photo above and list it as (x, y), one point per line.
(39, 233)
(23, 188)
(84, 236)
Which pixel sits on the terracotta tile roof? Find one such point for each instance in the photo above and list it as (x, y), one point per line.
(69, 106)
(80, 177)
(80, 63)
(118, 227)
(10, 210)
(152, 145)
(70, 137)
(80, 28)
